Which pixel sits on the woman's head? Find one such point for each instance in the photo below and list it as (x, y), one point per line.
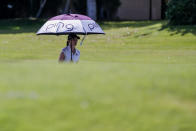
(73, 39)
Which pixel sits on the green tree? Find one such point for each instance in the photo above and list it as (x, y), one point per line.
(181, 12)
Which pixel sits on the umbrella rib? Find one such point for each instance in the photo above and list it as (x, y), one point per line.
(83, 37)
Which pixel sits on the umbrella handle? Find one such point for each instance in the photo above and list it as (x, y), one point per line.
(71, 50)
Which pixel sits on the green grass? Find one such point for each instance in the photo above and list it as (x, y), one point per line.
(140, 76)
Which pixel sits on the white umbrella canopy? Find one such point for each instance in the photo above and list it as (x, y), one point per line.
(70, 23)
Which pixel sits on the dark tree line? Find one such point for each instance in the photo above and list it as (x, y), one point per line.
(106, 9)
(28, 8)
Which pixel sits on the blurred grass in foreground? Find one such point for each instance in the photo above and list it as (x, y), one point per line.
(139, 76)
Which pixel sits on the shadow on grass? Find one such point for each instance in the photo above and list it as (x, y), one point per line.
(106, 25)
(180, 29)
(14, 26)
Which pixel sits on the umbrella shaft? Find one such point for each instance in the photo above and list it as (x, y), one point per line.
(71, 50)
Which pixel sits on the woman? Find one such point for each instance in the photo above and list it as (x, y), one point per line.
(65, 55)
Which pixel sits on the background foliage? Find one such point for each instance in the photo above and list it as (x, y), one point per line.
(29, 8)
(181, 12)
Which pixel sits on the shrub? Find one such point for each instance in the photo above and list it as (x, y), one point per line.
(181, 12)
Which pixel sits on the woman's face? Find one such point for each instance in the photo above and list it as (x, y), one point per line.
(73, 42)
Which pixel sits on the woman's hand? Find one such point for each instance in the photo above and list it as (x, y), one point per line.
(61, 57)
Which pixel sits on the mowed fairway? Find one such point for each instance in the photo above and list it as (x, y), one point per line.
(140, 76)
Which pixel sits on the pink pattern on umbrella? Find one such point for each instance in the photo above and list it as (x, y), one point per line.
(71, 17)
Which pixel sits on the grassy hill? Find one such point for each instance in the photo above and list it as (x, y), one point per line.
(139, 76)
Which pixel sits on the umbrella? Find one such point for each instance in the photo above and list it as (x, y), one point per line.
(70, 23)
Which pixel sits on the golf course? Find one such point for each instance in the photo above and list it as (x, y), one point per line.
(139, 76)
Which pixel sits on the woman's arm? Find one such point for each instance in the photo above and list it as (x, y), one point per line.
(61, 57)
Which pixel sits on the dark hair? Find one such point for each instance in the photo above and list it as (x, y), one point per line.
(67, 42)
(72, 36)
